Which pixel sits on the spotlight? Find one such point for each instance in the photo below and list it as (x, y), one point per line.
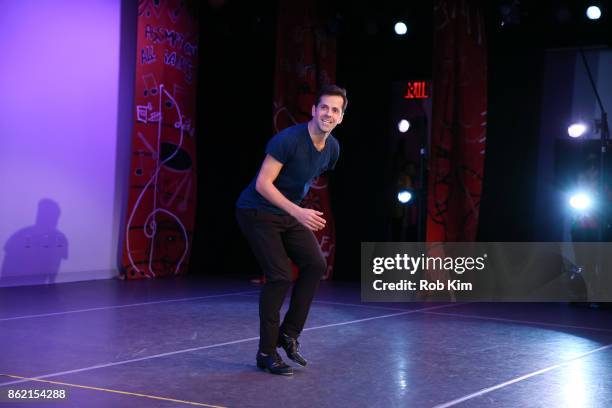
(403, 125)
(593, 13)
(576, 129)
(580, 201)
(404, 196)
(401, 28)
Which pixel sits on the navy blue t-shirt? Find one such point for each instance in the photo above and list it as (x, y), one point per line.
(301, 163)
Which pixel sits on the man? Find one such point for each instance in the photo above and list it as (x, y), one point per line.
(279, 230)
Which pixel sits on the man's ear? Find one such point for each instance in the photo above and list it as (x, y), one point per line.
(314, 109)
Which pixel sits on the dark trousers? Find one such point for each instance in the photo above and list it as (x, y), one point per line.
(275, 240)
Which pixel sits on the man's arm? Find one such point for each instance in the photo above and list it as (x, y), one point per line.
(269, 171)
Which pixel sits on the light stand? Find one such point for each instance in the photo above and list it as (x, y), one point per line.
(602, 126)
(604, 140)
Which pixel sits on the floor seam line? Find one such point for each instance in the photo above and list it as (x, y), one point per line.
(93, 309)
(518, 379)
(117, 363)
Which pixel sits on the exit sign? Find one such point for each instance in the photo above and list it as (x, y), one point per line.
(416, 90)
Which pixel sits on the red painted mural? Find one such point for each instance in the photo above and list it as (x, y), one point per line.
(459, 121)
(162, 196)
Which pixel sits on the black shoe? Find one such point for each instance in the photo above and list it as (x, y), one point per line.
(273, 363)
(292, 348)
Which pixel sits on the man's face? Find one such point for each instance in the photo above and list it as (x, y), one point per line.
(328, 113)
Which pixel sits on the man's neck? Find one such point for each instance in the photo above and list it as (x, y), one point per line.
(316, 136)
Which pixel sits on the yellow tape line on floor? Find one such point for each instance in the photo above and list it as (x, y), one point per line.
(135, 394)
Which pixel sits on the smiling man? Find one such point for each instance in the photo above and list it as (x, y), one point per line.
(279, 230)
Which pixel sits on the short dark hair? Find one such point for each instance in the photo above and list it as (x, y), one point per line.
(334, 90)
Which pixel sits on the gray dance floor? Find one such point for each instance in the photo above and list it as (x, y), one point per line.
(192, 342)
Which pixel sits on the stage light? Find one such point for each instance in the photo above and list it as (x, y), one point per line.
(580, 201)
(403, 125)
(401, 28)
(404, 196)
(593, 13)
(576, 129)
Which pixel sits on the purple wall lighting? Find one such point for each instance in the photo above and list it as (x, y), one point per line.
(63, 136)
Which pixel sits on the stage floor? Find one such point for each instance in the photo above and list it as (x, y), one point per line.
(192, 342)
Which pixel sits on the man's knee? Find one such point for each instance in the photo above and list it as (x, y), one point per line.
(318, 266)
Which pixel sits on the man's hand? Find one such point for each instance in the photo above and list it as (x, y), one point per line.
(264, 185)
(311, 219)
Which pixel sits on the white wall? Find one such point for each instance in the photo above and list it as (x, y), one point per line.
(66, 81)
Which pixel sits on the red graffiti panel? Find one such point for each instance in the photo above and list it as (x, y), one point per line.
(162, 196)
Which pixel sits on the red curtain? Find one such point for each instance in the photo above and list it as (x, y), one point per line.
(161, 203)
(459, 120)
(305, 60)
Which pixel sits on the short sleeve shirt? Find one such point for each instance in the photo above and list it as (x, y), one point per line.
(302, 162)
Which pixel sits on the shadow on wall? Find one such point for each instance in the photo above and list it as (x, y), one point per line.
(34, 253)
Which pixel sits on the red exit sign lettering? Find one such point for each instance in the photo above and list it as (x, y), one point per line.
(416, 90)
